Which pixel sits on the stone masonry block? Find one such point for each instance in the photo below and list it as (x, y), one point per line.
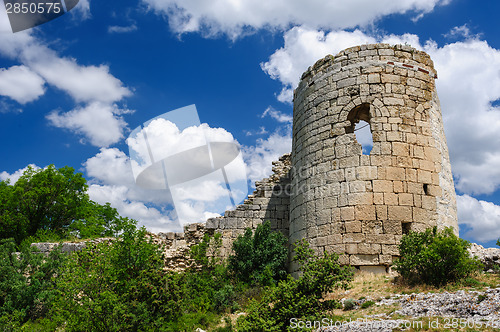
(347, 213)
(353, 226)
(382, 186)
(395, 173)
(390, 249)
(365, 212)
(354, 238)
(360, 199)
(334, 239)
(392, 227)
(357, 260)
(378, 198)
(400, 213)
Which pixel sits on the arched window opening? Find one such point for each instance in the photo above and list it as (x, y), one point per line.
(360, 126)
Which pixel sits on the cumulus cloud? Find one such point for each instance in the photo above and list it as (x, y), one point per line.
(99, 123)
(83, 83)
(194, 200)
(481, 218)
(234, 18)
(112, 182)
(110, 166)
(259, 158)
(21, 84)
(153, 218)
(93, 88)
(468, 85)
(302, 48)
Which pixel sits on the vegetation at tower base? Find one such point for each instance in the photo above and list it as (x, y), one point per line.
(53, 204)
(298, 298)
(259, 257)
(435, 257)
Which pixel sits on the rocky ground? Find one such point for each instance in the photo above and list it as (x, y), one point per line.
(448, 311)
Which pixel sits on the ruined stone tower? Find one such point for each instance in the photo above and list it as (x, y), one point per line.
(330, 193)
(356, 204)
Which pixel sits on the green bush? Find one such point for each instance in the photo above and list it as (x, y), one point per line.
(116, 287)
(298, 298)
(259, 257)
(367, 304)
(27, 283)
(434, 258)
(349, 304)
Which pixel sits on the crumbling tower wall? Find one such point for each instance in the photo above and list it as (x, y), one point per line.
(356, 204)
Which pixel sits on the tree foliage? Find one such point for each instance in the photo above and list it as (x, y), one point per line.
(259, 257)
(53, 201)
(27, 283)
(434, 257)
(298, 298)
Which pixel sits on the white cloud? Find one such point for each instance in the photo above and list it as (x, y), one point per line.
(83, 83)
(480, 217)
(468, 84)
(122, 29)
(82, 9)
(17, 174)
(110, 166)
(152, 218)
(99, 123)
(261, 131)
(277, 115)
(21, 84)
(236, 17)
(259, 158)
(93, 86)
(303, 47)
(194, 200)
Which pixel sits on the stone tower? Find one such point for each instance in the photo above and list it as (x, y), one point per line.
(356, 204)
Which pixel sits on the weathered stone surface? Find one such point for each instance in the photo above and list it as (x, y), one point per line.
(406, 179)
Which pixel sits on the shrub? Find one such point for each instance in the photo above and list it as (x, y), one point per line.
(27, 284)
(297, 298)
(260, 257)
(349, 304)
(116, 287)
(367, 304)
(434, 258)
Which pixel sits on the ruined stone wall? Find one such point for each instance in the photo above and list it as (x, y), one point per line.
(360, 205)
(270, 201)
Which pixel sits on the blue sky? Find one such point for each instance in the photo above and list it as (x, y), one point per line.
(71, 90)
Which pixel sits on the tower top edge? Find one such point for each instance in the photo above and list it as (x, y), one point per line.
(366, 52)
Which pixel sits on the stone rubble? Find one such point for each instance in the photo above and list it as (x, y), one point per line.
(476, 308)
(490, 257)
